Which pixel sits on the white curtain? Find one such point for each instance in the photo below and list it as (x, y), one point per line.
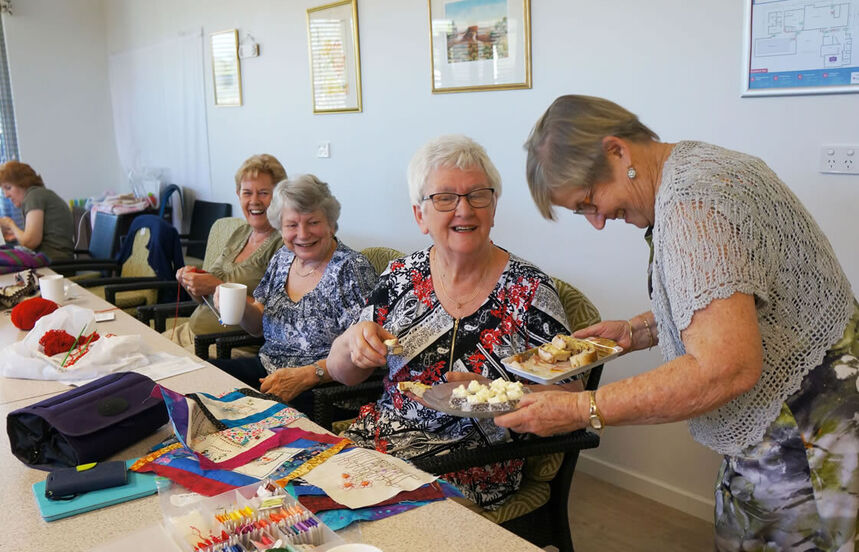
(159, 112)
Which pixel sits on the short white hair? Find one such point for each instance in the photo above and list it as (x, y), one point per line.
(305, 193)
(449, 150)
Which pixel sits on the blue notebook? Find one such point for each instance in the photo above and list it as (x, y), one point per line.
(139, 485)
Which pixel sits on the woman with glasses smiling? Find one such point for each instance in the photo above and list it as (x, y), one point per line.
(753, 313)
(459, 305)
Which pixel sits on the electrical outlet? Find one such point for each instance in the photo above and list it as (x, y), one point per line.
(323, 150)
(839, 159)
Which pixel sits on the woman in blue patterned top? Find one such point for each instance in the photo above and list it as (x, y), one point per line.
(311, 292)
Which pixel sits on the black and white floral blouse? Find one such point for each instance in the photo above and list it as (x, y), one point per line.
(297, 334)
(522, 311)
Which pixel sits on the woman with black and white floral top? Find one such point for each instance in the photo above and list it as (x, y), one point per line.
(457, 308)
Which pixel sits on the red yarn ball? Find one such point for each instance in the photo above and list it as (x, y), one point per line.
(27, 312)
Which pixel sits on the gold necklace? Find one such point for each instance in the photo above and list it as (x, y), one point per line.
(442, 275)
(320, 263)
(254, 241)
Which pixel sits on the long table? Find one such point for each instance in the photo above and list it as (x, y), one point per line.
(437, 527)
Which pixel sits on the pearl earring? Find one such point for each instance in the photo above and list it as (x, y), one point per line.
(631, 173)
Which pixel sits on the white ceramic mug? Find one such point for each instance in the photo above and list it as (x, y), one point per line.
(232, 298)
(53, 287)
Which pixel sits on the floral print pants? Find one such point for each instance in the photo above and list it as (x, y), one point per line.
(798, 489)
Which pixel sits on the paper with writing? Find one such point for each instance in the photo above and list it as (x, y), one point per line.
(363, 477)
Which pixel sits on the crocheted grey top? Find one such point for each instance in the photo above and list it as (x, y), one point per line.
(725, 223)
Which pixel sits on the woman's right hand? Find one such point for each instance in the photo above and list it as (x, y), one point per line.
(616, 330)
(366, 347)
(197, 282)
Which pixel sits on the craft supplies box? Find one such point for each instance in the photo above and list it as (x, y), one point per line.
(243, 517)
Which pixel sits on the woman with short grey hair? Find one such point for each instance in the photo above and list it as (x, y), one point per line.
(312, 291)
(304, 194)
(754, 315)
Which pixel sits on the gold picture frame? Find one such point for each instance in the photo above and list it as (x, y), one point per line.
(226, 68)
(335, 57)
(479, 45)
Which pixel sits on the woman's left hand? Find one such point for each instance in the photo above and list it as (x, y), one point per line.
(288, 383)
(546, 413)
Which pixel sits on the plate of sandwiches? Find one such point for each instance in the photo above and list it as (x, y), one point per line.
(561, 359)
(471, 399)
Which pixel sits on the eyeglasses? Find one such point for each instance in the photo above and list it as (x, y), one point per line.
(447, 201)
(586, 207)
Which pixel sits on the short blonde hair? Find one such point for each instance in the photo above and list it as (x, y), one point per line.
(450, 150)
(262, 163)
(565, 146)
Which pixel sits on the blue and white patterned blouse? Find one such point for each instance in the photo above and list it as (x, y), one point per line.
(297, 334)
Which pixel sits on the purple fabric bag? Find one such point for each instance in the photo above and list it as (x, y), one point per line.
(87, 424)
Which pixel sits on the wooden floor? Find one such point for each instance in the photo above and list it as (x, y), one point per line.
(606, 518)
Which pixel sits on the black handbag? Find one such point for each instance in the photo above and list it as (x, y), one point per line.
(87, 424)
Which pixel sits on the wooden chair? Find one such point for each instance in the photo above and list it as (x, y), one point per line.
(539, 511)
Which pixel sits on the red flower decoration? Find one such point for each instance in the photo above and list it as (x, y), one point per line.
(381, 315)
(490, 338)
(476, 361)
(423, 287)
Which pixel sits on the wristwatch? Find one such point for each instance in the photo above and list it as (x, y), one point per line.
(595, 419)
(319, 371)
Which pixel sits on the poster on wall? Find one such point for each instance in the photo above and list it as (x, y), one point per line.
(801, 47)
(480, 44)
(226, 71)
(335, 57)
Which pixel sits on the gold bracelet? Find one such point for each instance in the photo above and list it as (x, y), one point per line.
(631, 342)
(649, 333)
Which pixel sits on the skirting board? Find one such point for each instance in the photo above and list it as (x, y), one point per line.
(649, 488)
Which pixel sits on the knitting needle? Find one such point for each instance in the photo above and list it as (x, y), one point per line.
(62, 364)
(211, 307)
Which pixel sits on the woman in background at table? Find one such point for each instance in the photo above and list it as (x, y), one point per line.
(311, 292)
(246, 254)
(753, 313)
(48, 222)
(458, 307)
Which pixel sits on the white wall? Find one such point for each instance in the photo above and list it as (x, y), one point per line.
(676, 64)
(58, 64)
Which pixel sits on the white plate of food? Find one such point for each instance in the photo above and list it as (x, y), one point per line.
(563, 358)
(470, 399)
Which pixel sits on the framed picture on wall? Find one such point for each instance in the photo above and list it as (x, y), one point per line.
(335, 57)
(800, 47)
(480, 44)
(226, 71)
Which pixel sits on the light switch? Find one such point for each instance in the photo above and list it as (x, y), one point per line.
(323, 150)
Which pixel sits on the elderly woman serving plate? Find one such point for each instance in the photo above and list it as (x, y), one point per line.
(460, 305)
(750, 307)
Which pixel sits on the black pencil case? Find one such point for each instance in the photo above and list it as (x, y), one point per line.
(70, 482)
